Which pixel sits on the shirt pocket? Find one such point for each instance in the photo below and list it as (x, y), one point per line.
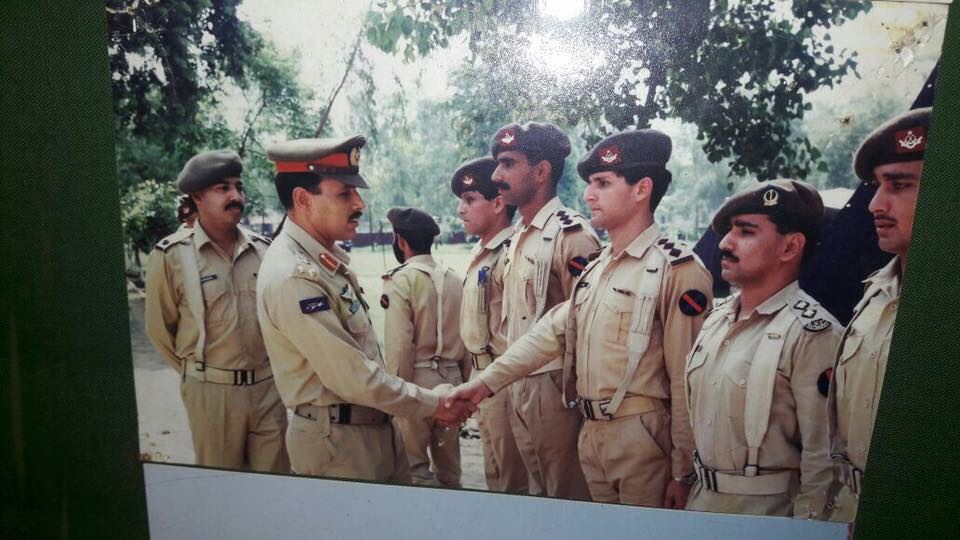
(850, 347)
(216, 301)
(615, 315)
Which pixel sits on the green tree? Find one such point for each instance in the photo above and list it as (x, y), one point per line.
(740, 71)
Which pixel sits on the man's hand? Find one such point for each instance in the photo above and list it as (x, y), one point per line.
(675, 496)
(474, 392)
(453, 413)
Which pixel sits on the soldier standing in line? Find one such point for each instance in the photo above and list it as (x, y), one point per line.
(201, 315)
(758, 376)
(624, 333)
(421, 303)
(892, 158)
(547, 252)
(485, 214)
(316, 325)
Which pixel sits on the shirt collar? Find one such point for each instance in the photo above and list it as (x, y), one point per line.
(202, 238)
(544, 214)
(781, 298)
(425, 259)
(329, 259)
(887, 279)
(643, 241)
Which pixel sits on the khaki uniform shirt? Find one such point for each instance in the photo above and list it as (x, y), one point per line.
(605, 301)
(575, 241)
(228, 284)
(717, 373)
(410, 310)
(861, 365)
(482, 307)
(323, 349)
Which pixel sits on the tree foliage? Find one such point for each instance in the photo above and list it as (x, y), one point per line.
(740, 71)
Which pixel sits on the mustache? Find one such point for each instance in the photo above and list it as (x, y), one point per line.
(883, 217)
(355, 215)
(235, 204)
(501, 185)
(727, 254)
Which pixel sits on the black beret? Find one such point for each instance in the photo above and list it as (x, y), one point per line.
(475, 175)
(208, 168)
(626, 150)
(412, 220)
(902, 138)
(337, 158)
(536, 140)
(788, 202)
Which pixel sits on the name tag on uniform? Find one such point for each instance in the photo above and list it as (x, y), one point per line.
(205, 279)
(313, 305)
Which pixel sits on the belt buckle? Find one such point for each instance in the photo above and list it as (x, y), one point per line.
(243, 377)
(602, 404)
(475, 361)
(856, 478)
(435, 362)
(340, 413)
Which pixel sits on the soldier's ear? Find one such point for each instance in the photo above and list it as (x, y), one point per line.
(301, 198)
(643, 188)
(498, 204)
(793, 246)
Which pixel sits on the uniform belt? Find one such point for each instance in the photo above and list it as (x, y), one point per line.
(851, 475)
(435, 363)
(343, 413)
(482, 360)
(596, 409)
(236, 377)
(773, 483)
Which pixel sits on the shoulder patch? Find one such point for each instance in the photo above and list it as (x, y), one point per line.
(313, 305)
(675, 252)
(817, 325)
(809, 314)
(824, 381)
(576, 265)
(182, 235)
(693, 302)
(569, 220)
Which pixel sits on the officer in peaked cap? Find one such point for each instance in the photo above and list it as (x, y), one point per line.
(317, 328)
(485, 214)
(421, 301)
(758, 376)
(201, 315)
(892, 158)
(547, 252)
(635, 445)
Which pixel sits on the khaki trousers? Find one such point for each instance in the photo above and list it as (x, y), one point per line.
(427, 442)
(502, 464)
(362, 452)
(236, 427)
(546, 434)
(627, 460)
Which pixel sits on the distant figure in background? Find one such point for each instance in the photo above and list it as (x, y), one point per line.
(186, 212)
(421, 304)
(485, 214)
(892, 157)
(201, 315)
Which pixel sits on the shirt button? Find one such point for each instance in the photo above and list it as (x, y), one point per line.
(726, 342)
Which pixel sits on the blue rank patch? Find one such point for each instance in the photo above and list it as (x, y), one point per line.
(313, 305)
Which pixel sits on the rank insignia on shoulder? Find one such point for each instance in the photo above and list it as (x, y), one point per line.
(384, 301)
(693, 302)
(576, 265)
(313, 305)
(824, 380)
(817, 325)
(205, 279)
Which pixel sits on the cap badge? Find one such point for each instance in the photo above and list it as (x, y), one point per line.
(355, 156)
(610, 155)
(507, 138)
(771, 197)
(467, 180)
(909, 141)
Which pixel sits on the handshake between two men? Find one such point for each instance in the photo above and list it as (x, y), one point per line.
(458, 403)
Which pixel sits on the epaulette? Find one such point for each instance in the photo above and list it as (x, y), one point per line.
(675, 252)
(257, 236)
(809, 313)
(390, 273)
(570, 221)
(181, 235)
(306, 268)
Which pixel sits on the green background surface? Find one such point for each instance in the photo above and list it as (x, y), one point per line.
(69, 462)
